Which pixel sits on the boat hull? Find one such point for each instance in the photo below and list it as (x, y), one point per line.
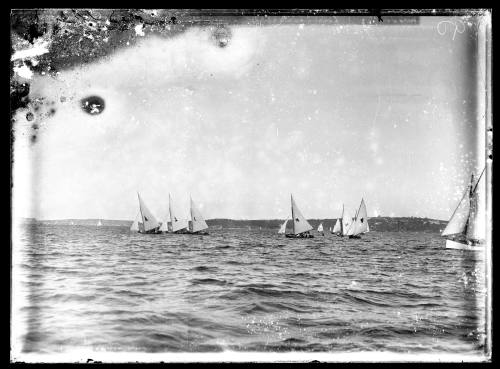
(290, 235)
(450, 244)
(354, 236)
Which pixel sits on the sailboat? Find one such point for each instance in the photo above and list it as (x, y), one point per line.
(149, 222)
(320, 228)
(466, 228)
(337, 229)
(176, 225)
(99, 223)
(283, 227)
(300, 226)
(198, 224)
(360, 222)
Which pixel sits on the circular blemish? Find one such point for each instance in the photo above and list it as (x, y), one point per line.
(52, 112)
(221, 36)
(33, 138)
(34, 126)
(63, 99)
(30, 116)
(92, 105)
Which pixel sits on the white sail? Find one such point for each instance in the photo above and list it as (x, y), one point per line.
(283, 227)
(99, 223)
(458, 221)
(346, 223)
(177, 224)
(197, 221)
(320, 227)
(361, 220)
(135, 225)
(148, 218)
(337, 228)
(164, 226)
(300, 224)
(476, 226)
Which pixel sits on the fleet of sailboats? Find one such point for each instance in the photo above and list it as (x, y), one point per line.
(466, 229)
(145, 221)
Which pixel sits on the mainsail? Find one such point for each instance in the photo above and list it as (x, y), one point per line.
(468, 219)
(197, 221)
(337, 228)
(148, 218)
(300, 224)
(283, 227)
(360, 224)
(320, 227)
(177, 224)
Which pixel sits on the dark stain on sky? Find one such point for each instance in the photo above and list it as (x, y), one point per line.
(93, 105)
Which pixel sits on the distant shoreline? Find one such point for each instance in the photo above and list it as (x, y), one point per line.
(379, 223)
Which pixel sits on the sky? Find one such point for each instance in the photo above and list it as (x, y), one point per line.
(330, 113)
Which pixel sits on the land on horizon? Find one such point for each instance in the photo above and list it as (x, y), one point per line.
(379, 223)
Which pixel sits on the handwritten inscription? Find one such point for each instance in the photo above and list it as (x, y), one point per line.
(455, 25)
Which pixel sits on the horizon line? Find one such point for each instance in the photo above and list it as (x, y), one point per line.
(238, 219)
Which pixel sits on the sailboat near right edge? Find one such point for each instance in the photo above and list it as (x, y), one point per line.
(466, 228)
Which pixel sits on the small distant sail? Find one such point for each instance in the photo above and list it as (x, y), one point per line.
(346, 223)
(361, 220)
(197, 220)
(135, 225)
(164, 227)
(177, 224)
(148, 218)
(337, 228)
(99, 223)
(283, 227)
(300, 224)
(320, 227)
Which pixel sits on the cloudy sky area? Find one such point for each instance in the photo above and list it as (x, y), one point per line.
(329, 113)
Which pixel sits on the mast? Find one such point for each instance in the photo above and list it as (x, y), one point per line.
(342, 221)
(170, 209)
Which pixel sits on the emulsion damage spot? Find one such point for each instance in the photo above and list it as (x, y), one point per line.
(92, 105)
(221, 35)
